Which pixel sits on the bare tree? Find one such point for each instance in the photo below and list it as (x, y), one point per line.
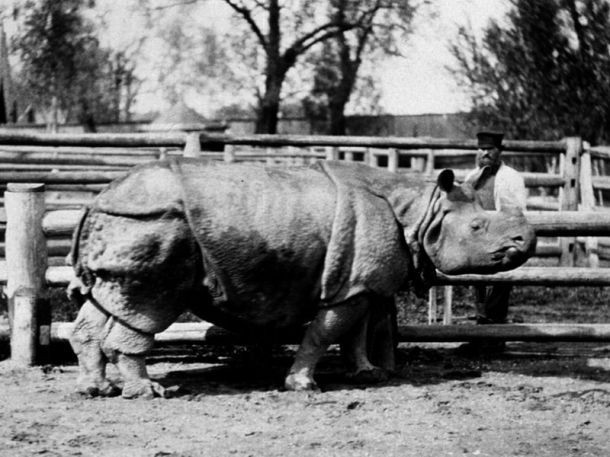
(378, 26)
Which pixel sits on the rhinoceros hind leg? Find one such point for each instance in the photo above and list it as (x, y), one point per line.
(127, 348)
(86, 342)
(356, 349)
(329, 325)
(137, 384)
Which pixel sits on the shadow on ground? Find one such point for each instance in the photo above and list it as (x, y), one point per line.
(238, 370)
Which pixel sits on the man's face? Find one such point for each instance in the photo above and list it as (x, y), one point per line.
(488, 157)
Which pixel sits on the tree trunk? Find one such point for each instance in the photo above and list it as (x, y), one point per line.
(336, 118)
(267, 115)
(269, 106)
(339, 98)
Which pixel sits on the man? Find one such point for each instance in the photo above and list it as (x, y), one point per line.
(502, 188)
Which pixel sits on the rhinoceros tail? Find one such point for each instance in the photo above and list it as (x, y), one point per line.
(80, 286)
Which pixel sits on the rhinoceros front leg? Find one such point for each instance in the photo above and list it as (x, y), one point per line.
(382, 336)
(86, 342)
(328, 327)
(356, 349)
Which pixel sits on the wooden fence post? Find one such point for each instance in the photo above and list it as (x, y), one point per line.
(192, 147)
(570, 194)
(332, 153)
(587, 197)
(26, 264)
(429, 170)
(432, 306)
(393, 160)
(448, 305)
(372, 159)
(418, 164)
(229, 153)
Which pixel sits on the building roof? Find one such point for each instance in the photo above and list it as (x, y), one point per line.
(182, 117)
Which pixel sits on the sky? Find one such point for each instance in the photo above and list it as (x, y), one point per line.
(418, 83)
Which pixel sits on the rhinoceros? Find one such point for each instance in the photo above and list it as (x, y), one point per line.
(266, 250)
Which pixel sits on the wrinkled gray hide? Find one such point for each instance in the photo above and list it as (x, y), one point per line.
(263, 250)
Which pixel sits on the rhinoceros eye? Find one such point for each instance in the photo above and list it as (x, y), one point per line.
(476, 225)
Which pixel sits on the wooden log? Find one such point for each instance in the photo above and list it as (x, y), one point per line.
(541, 276)
(58, 276)
(429, 169)
(448, 305)
(530, 179)
(60, 244)
(567, 223)
(332, 153)
(601, 182)
(229, 153)
(26, 252)
(49, 168)
(602, 152)
(192, 148)
(393, 155)
(570, 195)
(27, 152)
(534, 276)
(24, 329)
(204, 332)
(62, 177)
(57, 247)
(61, 222)
(547, 250)
(166, 139)
(546, 223)
(505, 332)
(370, 141)
(588, 204)
(432, 305)
(418, 164)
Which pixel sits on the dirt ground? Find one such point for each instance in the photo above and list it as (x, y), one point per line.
(535, 399)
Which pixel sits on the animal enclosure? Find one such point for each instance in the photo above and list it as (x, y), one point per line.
(47, 178)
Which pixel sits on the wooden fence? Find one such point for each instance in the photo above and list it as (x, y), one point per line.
(35, 237)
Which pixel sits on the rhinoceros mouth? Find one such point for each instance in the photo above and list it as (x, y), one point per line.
(506, 252)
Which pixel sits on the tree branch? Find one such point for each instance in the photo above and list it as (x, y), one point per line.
(247, 15)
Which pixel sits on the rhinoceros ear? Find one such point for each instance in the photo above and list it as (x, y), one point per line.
(446, 180)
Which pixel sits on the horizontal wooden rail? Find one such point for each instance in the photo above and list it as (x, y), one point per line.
(376, 142)
(62, 177)
(546, 223)
(133, 140)
(204, 332)
(567, 223)
(601, 182)
(600, 152)
(178, 139)
(557, 276)
(535, 276)
(103, 177)
(60, 246)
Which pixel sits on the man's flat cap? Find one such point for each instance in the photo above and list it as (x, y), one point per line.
(488, 140)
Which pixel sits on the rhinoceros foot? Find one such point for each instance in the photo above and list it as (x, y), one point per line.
(143, 388)
(97, 388)
(297, 381)
(370, 376)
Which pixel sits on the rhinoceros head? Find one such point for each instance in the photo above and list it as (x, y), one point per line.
(459, 236)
